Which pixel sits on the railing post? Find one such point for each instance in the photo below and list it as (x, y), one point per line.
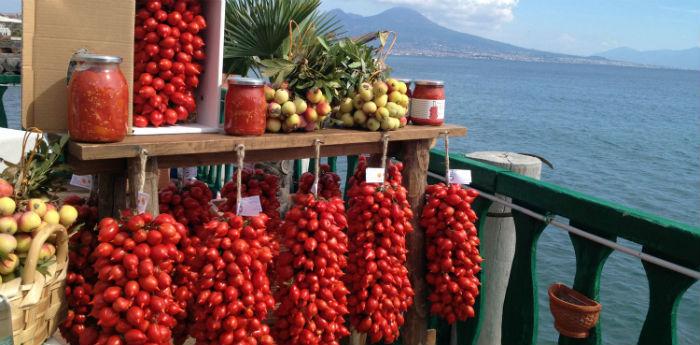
(665, 291)
(498, 246)
(590, 258)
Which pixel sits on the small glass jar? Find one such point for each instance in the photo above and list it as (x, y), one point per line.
(98, 99)
(428, 103)
(246, 107)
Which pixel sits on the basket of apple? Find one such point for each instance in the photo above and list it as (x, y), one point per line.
(287, 112)
(382, 105)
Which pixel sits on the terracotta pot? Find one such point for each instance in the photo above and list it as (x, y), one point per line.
(574, 313)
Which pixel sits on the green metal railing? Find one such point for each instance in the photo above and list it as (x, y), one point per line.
(672, 241)
(5, 80)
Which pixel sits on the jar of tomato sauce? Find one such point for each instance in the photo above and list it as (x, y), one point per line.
(246, 107)
(98, 99)
(428, 103)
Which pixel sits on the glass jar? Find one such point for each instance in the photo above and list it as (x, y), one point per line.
(428, 103)
(246, 107)
(98, 99)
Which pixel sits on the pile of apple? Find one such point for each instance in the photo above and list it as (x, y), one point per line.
(19, 222)
(381, 105)
(287, 112)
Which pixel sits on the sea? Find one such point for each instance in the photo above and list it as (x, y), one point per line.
(628, 135)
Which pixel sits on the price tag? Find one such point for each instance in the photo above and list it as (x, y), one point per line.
(460, 176)
(374, 175)
(189, 173)
(5, 322)
(250, 206)
(82, 181)
(142, 202)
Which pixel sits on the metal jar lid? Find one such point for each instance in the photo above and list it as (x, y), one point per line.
(406, 81)
(96, 58)
(430, 82)
(237, 80)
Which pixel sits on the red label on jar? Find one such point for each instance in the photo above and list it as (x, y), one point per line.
(429, 109)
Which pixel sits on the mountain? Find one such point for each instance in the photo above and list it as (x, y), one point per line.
(418, 35)
(684, 59)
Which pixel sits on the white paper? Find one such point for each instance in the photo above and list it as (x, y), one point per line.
(82, 181)
(142, 202)
(374, 175)
(5, 322)
(460, 176)
(250, 206)
(189, 173)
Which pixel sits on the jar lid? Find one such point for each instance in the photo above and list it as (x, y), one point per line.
(430, 82)
(96, 58)
(404, 80)
(237, 80)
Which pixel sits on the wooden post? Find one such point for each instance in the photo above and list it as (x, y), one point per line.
(498, 245)
(111, 197)
(416, 158)
(150, 186)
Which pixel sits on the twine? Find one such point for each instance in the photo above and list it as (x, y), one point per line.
(240, 154)
(446, 135)
(317, 166)
(25, 162)
(385, 150)
(143, 159)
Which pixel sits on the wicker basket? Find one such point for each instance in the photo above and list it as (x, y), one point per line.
(574, 313)
(37, 301)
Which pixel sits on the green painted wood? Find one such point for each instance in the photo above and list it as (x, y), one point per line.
(229, 173)
(352, 165)
(665, 291)
(333, 162)
(296, 176)
(590, 258)
(520, 309)
(675, 239)
(3, 115)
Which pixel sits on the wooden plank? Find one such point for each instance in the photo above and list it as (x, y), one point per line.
(168, 145)
(111, 193)
(415, 157)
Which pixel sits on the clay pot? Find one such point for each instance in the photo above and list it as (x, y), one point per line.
(574, 313)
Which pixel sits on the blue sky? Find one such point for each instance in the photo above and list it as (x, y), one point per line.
(567, 26)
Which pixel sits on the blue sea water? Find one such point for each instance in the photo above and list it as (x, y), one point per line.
(628, 135)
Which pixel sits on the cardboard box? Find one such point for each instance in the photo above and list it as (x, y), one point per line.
(54, 30)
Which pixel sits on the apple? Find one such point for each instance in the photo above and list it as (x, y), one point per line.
(274, 110)
(288, 108)
(269, 93)
(300, 105)
(310, 114)
(373, 125)
(29, 221)
(380, 88)
(369, 107)
(274, 125)
(393, 84)
(395, 97)
(315, 95)
(365, 92)
(6, 188)
(7, 206)
(403, 122)
(52, 217)
(360, 117)
(68, 215)
(38, 206)
(24, 242)
(323, 108)
(293, 121)
(346, 105)
(381, 101)
(8, 225)
(8, 244)
(347, 119)
(281, 96)
(9, 264)
(47, 251)
(382, 112)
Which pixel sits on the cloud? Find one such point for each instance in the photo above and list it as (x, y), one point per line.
(463, 15)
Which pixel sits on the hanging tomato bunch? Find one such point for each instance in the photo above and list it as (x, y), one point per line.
(313, 297)
(133, 297)
(232, 293)
(189, 205)
(452, 251)
(169, 51)
(81, 276)
(328, 183)
(256, 182)
(380, 290)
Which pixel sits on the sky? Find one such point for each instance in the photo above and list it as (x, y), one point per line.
(581, 27)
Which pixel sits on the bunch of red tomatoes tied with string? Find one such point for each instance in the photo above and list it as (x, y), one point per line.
(452, 251)
(256, 182)
(380, 290)
(168, 57)
(190, 204)
(310, 268)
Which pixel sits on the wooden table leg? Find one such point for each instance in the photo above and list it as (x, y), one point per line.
(150, 186)
(111, 197)
(416, 157)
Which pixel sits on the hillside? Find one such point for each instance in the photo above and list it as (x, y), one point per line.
(684, 59)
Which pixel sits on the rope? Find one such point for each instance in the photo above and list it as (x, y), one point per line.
(317, 166)
(385, 149)
(446, 134)
(240, 154)
(143, 159)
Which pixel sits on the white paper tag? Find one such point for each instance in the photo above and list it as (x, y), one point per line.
(374, 175)
(142, 202)
(82, 181)
(250, 206)
(460, 176)
(189, 173)
(5, 322)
